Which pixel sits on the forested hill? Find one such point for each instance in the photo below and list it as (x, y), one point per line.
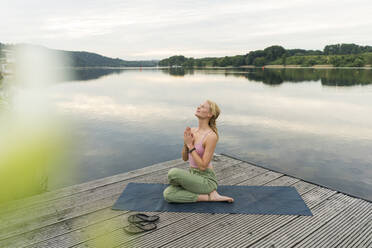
(349, 55)
(87, 59)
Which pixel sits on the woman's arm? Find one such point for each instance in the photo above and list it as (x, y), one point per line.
(210, 145)
(185, 149)
(185, 153)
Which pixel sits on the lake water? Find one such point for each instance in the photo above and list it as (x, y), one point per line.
(308, 123)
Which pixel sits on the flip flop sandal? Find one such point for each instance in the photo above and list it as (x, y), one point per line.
(140, 227)
(136, 218)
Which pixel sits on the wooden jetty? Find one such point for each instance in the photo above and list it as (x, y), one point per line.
(81, 216)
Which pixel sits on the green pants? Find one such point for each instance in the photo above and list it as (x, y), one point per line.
(185, 186)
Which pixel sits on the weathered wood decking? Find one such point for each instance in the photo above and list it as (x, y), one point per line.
(81, 216)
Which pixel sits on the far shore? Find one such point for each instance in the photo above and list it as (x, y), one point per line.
(299, 66)
(273, 66)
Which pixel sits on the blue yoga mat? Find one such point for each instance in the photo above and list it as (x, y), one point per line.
(282, 200)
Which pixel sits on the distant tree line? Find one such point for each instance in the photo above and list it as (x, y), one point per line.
(350, 55)
(342, 49)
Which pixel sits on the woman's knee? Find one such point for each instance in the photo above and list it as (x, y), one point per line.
(174, 173)
(167, 194)
(178, 195)
(211, 187)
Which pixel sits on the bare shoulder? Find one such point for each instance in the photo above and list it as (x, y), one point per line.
(212, 137)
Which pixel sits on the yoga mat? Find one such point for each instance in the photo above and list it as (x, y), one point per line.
(281, 200)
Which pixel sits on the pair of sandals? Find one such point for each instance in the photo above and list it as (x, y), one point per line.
(141, 223)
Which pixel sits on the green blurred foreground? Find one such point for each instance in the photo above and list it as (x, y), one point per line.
(27, 155)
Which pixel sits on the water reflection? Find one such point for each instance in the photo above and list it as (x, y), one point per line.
(133, 119)
(270, 76)
(85, 74)
(93, 73)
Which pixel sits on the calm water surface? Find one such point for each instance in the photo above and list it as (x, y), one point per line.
(312, 124)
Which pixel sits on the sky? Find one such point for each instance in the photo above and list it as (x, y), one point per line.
(144, 30)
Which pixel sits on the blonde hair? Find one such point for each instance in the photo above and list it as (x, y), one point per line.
(215, 110)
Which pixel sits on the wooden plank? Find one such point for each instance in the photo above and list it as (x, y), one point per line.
(74, 189)
(361, 238)
(302, 227)
(100, 206)
(338, 201)
(80, 234)
(232, 173)
(334, 228)
(178, 222)
(345, 225)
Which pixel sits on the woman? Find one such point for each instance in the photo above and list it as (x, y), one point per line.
(200, 182)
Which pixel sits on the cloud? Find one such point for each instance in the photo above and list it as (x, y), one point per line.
(148, 29)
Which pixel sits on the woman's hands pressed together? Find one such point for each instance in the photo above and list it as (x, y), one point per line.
(188, 138)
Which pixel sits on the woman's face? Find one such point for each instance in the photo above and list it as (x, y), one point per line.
(202, 111)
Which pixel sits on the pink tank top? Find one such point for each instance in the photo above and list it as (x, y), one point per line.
(200, 150)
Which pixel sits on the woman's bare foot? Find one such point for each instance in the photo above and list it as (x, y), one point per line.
(214, 196)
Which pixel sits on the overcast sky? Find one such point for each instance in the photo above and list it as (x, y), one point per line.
(144, 29)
